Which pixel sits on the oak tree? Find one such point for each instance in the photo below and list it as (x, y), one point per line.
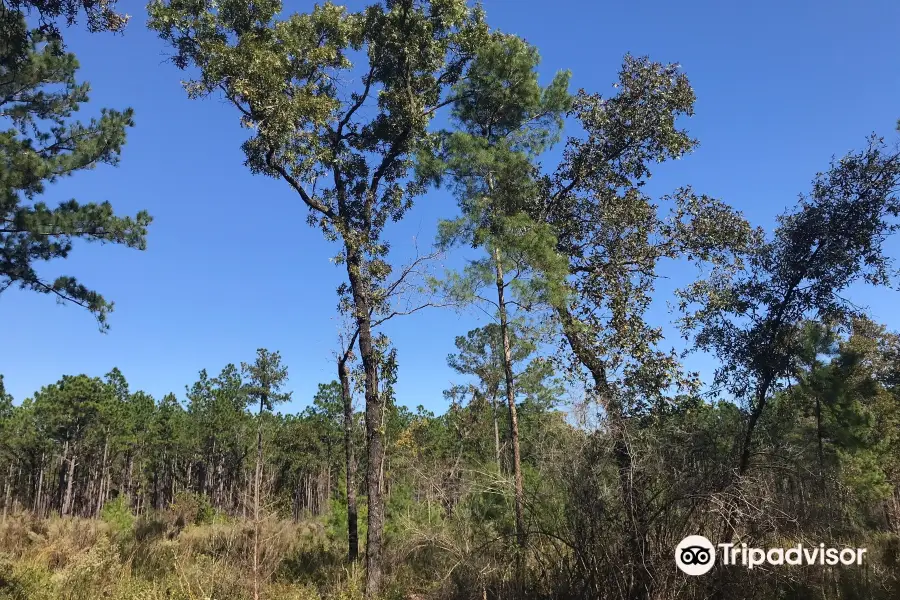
(345, 150)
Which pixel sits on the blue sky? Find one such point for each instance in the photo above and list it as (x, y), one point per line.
(232, 266)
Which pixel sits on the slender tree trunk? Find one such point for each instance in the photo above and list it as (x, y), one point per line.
(729, 524)
(90, 491)
(16, 479)
(8, 495)
(496, 430)
(257, 479)
(38, 507)
(57, 501)
(640, 580)
(511, 401)
(219, 490)
(360, 287)
(70, 480)
(101, 492)
(350, 460)
(129, 470)
(209, 473)
(819, 435)
(108, 485)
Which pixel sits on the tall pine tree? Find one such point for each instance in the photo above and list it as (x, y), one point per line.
(40, 144)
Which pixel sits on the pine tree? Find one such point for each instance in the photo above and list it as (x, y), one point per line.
(505, 119)
(265, 378)
(41, 145)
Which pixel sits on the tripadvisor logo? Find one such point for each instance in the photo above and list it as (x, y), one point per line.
(696, 555)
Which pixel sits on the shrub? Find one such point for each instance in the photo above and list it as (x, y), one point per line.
(24, 582)
(190, 509)
(118, 516)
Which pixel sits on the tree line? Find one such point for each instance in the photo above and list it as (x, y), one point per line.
(568, 258)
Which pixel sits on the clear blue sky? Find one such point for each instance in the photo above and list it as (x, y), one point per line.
(232, 266)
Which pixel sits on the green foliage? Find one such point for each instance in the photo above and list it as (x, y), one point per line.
(190, 508)
(448, 508)
(504, 120)
(42, 145)
(834, 238)
(101, 16)
(305, 127)
(69, 407)
(336, 518)
(265, 377)
(117, 514)
(615, 236)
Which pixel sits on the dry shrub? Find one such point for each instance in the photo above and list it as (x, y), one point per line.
(315, 559)
(153, 559)
(148, 529)
(67, 538)
(20, 532)
(95, 572)
(206, 578)
(79, 534)
(23, 581)
(77, 559)
(222, 540)
(287, 591)
(233, 542)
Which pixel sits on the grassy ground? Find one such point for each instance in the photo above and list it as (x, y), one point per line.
(129, 559)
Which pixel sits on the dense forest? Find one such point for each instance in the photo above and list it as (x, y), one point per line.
(577, 449)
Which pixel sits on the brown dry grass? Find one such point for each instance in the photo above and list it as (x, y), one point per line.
(78, 559)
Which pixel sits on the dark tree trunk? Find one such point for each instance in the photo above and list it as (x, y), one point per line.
(361, 289)
(819, 438)
(640, 580)
(126, 488)
(350, 460)
(511, 403)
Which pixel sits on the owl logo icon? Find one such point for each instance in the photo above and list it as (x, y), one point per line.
(695, 555)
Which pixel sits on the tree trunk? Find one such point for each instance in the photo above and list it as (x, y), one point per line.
(511, 402)
(101, 493)
(70, 480)
(640, 580)
(56, 503)
(819, 437)
(496, 430)
(257, 480)
(360, 287)
(352, 525)
(129, 471)
(18, 477)
(38, 507)
(173, 479)
(8, 494)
